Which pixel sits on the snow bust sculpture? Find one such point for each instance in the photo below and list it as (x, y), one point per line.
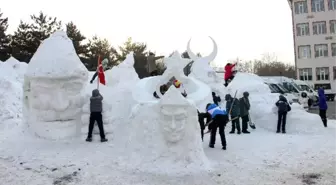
(53, 86)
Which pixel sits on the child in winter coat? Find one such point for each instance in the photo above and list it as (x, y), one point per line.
(96, 108)
(323, 106)
(244, 111)
(283, 108)
(235, 112)
(105, 67)
(216, 99)
(219, 120)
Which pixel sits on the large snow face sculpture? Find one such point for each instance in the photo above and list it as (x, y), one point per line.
(174, 115)
(53, 88)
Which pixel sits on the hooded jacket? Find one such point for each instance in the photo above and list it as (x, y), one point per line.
(322, 100)
(244, 104)
(228, 71)
(283, 105)
(96, 99)
(235, 107)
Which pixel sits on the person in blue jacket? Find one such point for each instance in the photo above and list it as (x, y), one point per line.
(219, 120)
(322, 106)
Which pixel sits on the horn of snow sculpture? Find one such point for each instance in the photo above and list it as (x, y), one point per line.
(53, 88)
(208, 58)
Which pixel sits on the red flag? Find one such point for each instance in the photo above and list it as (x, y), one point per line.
(100, 70)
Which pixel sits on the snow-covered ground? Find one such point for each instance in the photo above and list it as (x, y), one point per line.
(306, 154)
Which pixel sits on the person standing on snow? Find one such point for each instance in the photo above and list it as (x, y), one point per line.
(96, 108)
(244, 111)
(283, 108)
(105, 66)
(323, 106)
(151, 64)
(216, 99)
(233, 104)
(228, 75)
(219, 120)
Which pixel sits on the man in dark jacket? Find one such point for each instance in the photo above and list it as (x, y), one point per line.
(216, 99)
(96, 108)
(244, 111)
(323, 106)
(283, 108)
(235, 112)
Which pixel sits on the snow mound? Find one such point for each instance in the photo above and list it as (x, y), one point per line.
(57, 50)
(123, 72)
(15, 68)
(263, 110)
(10, 98)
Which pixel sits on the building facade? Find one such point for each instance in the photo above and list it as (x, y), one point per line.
(314, 34)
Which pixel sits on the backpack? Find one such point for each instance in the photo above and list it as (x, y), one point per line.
(283, 106)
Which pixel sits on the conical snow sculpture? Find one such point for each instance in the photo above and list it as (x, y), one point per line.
(124, 73)
(53, 86)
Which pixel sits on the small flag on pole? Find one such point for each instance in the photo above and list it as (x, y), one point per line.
(100, 70)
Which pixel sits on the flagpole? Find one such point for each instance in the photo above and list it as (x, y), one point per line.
(98, 80)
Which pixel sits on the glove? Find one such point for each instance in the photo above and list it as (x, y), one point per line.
(91, 82)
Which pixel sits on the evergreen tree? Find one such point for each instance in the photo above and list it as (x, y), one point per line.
(21, 43)
(29, 36)
(129, 46)
(4, 38)
(98, 46)
(77, 38)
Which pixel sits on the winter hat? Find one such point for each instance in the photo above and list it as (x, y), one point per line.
(246, 94)
(228, 97)
(177, 83)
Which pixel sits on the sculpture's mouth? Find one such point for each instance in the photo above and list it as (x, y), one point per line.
(60, 120)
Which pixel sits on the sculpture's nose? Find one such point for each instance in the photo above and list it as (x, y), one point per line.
(60, 102)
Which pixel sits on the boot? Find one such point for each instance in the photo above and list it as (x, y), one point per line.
(246, 132)
(239, 132)
(325, 123)
(278, 131)
(224, 148)
(284, 131)
(211, 146)
(88, 139)
(103, 140)
(232, 132)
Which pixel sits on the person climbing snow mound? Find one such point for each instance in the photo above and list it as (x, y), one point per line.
(228, 75)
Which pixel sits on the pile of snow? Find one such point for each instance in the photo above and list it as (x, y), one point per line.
(263, 110)
(11, 79)
(124, 72)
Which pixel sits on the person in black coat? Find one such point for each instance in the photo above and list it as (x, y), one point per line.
(201, 117)
(283, 108)
(216, 99)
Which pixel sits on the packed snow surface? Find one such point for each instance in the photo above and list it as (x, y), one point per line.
(261, 157)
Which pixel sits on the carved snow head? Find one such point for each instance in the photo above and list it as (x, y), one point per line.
(54, 80)
(174, 110)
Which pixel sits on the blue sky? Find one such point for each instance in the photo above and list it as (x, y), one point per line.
(242, 28)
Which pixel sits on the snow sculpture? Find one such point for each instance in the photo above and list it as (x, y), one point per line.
(197, 91)
(122, 73)
(53, 87)
(166, 133)
(202, 71)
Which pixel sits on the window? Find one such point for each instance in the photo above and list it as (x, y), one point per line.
(319, 28)
(301, 7)
(302, 29)
(334, 71)
(324, 86)
(317, 5)
(322, 73)
(333, 49)
(321, 50)
(304, 52)
(332, 4)
(306, 74)
(332, 26)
